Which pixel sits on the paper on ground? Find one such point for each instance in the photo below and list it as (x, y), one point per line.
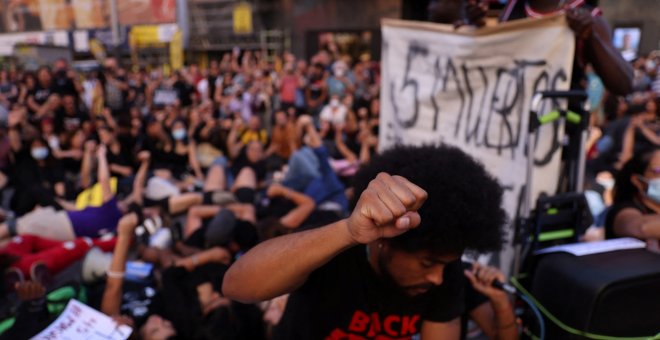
(79, 321)
(589, 248)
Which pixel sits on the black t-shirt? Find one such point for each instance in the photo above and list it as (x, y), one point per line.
(41, 93)
(345, 298)
(64, 85)
(121, 158)
(184, 91)
(68, 122)
(615, 209)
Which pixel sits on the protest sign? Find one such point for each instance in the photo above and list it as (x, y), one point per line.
(79, 321)
(472, 88)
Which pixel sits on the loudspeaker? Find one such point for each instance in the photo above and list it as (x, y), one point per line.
(613, 294)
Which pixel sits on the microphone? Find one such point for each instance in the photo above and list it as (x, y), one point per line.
(504, 286)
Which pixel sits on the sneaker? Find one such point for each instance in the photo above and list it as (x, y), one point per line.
(12, 277)
(40, 273)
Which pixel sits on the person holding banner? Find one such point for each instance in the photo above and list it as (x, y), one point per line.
(593, 39)
(392, 268)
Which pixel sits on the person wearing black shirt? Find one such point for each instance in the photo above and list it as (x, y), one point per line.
(43, 99)
(637, 199)
(65, 79)
(119, 159)
(184, 90)
(390, 270)
(38, 176)
(70, 118)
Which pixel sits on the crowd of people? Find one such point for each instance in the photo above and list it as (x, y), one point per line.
(185, 173)
(623, 131)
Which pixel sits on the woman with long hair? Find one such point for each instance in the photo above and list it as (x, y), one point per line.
(637, 199)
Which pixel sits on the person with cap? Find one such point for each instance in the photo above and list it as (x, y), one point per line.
(391, 269)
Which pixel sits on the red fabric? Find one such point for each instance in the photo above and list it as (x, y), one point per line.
(56, 255)
(288, 89)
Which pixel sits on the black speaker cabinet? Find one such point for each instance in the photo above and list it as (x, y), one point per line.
(614, 294)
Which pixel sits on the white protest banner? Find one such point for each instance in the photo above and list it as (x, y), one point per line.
(165, 97)
(473, 89)
(79, 321)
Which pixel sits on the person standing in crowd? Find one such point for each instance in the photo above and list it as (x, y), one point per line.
(397, 263)
(114, 85)
(593, 39)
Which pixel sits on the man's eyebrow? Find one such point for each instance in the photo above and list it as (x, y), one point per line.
(439, 260)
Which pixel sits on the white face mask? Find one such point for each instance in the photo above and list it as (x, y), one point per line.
(339, 72)
(334, 103)
(607, 183)
(39, 153)
(653, 189)
(179, 134)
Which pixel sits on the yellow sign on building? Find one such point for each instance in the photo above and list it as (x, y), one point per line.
(176, 51)
(243, 18)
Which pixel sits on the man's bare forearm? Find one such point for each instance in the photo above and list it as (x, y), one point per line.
(281, 265)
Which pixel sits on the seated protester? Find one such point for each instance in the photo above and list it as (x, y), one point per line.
(184, 146)
(37, 175)
(209, 134)
(250, 154)
(310, 172)
(70, 117)
(119, 159)
(70, 152)
(171, 155)
(183, 88)
(23, 253)
(636, 199)
(393, 254)
(333, 116)
(43, 100)
(253, 132)
(643, 132)
(283, 140)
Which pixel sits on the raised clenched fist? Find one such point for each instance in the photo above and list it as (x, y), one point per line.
(387, 208)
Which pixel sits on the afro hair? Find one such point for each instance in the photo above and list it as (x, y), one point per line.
(464, 206)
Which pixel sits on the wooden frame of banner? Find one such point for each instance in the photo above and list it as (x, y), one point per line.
(550, 21)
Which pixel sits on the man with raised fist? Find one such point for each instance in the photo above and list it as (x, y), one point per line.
(390, 270)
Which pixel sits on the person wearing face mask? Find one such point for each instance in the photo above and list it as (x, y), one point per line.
(182, 155)
(334, 113)
(341, 81)
(637, 199)
(37, 176)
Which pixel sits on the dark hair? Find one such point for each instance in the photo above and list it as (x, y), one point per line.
(464, 206)
(236, 321)
(624, 190)
(6, 261)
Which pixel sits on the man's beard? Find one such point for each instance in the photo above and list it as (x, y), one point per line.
(388, 279)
